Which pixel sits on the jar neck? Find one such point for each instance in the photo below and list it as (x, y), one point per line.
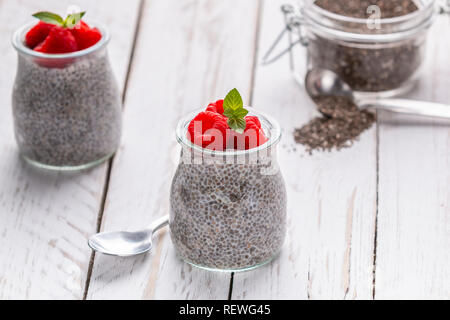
(263, 157)
(338, 27)
(18, 42)
(263, 153)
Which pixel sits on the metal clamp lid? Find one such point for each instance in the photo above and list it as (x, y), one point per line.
(294, 22)
(444, 6)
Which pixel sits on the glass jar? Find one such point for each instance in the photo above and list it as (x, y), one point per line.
(376, 57)
(67, 107)
(228, 209)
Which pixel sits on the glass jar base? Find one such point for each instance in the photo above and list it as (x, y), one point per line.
(67, 168)
(370, 95)
(232, 270)
(362, 95)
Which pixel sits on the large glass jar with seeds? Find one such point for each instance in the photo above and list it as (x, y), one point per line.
(66, 107)
(228, 208)
(377, 47)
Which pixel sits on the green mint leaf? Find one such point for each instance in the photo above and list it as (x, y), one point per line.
(234, 110)
(49, 17)
(233, 100)
(227, 113)
(237, 125)
(236, 114)
(240, 113)
(73, 19)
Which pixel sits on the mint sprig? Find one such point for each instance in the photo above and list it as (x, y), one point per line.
(235, 112)
(71, 20)
(49, 17)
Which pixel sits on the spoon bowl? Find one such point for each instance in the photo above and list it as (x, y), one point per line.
(126, 244)
(122, 244)
(322, 82)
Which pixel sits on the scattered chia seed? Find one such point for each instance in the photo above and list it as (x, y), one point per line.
(341, 124)
(67, 117)
(337, 107)
(368, 67)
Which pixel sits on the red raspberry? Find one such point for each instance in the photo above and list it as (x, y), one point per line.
(60, 40)
(206, 128)
(254, 120)
(252, 137)
(37, 34)
(216, 107)
(86, 36)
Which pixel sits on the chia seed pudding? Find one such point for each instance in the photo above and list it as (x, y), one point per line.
(228, 209)
(67, 109)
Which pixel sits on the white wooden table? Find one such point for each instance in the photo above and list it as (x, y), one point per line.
(372, 221)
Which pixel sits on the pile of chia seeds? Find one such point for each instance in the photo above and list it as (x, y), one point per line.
(67, 117)
(369, 67)
(227, 216)
(341, 124)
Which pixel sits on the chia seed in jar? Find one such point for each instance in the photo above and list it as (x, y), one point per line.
(368, 68)
(378, 47)
(67, 110)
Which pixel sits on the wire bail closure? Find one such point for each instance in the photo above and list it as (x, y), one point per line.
(444, 7)
(296, 31)
(294, 25)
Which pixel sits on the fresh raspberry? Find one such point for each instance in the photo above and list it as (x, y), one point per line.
(206, 128)
(216, 107)
(252, 137)
(60, 40)
(37, 34)
(85, 36)
(254, 120)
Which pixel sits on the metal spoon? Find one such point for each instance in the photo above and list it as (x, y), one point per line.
(321, 82)
(127, 244)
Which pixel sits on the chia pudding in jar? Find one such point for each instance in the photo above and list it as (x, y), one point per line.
(376, 46)
(67, 106)
(228, 208)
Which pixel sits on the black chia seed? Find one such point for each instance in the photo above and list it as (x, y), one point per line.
(372, 67)
(358, 8)
(227, 216)
(67, 117)
(341, 124)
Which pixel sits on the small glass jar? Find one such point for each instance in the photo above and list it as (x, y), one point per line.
(228, 209)
(67, 107)
(376, 57)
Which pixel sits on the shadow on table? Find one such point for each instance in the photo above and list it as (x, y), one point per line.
(109, 269)
(401, 120)
(21, 176)
(113, 271)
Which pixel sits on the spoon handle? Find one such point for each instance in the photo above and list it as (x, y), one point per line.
(159, 224)
(411, 107)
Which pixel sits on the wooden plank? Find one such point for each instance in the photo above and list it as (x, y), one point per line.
(188, 54)
(413, 258)
(45, 218)
(331, 198)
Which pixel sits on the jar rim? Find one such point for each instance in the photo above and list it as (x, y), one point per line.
(268, 122)
(19, 44)
(402, 27)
